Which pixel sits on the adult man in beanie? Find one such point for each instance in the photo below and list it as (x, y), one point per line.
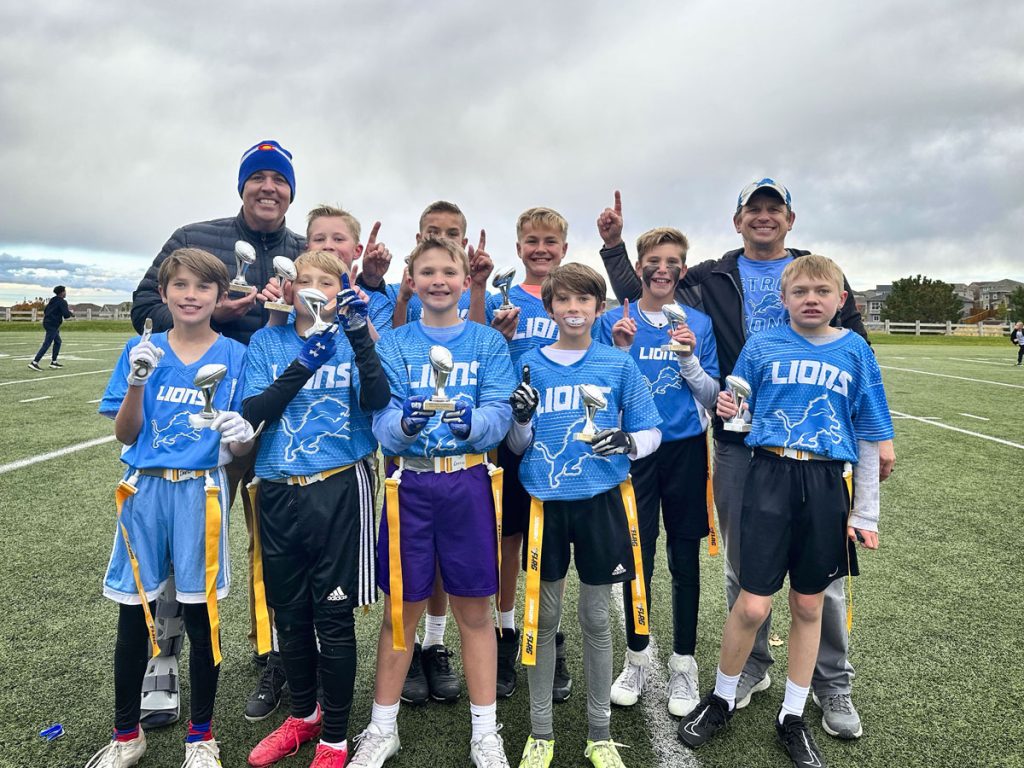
(266, 184)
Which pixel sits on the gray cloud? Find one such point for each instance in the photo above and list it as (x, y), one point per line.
(36, 272)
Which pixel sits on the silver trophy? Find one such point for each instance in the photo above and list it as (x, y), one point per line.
(284, 269)
(313, 301)
(245, 255)
(441, 362)
(206, 381)
(593, 401)
(676, 317)
(740, 389)
(503, 282)
(143, 367)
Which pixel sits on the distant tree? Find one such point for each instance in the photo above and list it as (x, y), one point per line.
(25, 304)
(921, 298)
(1016, 304)
(124, 306)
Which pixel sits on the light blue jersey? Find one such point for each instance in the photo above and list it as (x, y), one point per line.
(536, 329)
(414, 309)
(818, 398)
(323, 426)
(680, 414)
(556, 465)
(167, 440)
(762, 293)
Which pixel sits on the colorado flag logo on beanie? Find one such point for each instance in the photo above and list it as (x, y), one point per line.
(266, 156)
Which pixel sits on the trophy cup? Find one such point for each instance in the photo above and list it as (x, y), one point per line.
(503, 282)
(245, 255)
(313, 301)
(284, 269)
(142, 367)
(593, 401)
(441, 362)
(676, 317)
(740, 389)
(206, 381)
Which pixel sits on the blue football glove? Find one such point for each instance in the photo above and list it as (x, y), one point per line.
(459, 421)
(414, 418)
(318, 349)
(352, 310)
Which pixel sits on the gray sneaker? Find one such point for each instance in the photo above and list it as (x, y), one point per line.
(748, 686)
(839, 717)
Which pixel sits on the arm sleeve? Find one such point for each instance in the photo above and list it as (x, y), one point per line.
(866, 505)
(146, 301)
(374, 391)
(703, 386)
(490, 424)
(271, 402)
(646, 442)
(625, 283)
(65, 310)
(519, 437)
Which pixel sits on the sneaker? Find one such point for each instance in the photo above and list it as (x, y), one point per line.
(839, 717)
(508, 655)
(260, 659)
(441, 680)
(709, 717)
(202, 754)
(538, 753)
(120, 754)
(329, 757)
(285, 741)
(748, 686)
(415, 689)
(562, 686)
(488, 751)
(683, 690)
(629, 685)
(55, 364)
(603, 754)
(264, 700)
(374, 747)
(34, 366)
(798, 742)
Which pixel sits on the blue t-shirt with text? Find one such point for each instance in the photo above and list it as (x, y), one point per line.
(762, 293)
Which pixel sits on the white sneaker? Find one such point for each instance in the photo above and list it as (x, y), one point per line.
(374, 747)
(488, 751)
(683, 685)
(202, 754)
(120, 754)
(630, 683)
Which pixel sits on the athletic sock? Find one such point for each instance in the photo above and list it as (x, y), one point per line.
(434, 634)
(128, 734)
(340, 746)
(725, 687)
(274, 647)
(793, 703)
(315, 717)
(508, 619)
(385, 717)
(483, 719)
(198, 732)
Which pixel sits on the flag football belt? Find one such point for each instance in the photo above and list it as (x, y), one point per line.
(531, 610)
(793, 453)
(126, 489)
(709, 497)
(305, 480)
(442, 464)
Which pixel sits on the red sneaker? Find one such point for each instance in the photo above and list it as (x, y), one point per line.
(329, 757)
(283, 742)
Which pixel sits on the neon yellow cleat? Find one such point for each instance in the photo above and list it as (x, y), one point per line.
(538, 753)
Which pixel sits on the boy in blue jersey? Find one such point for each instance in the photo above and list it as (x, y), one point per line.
(316, 395)
(442, 500)
(580, 497)
(818, 406)
(172, 505)
(675, 478)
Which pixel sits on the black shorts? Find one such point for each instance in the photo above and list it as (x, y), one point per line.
(794, 519)
(598, 531)
(515, 501)
(318, 540)
(673, 479)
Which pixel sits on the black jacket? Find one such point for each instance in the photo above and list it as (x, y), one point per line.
(714, 288)
(56, 310)
(218, 237)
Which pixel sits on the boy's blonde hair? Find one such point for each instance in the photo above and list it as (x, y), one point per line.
(443, 206)
(331, 212)
(815, 267)
(573, 278)
(204, 265)
(542, 217)
(325, 261)
(431, 242)
(652, 238)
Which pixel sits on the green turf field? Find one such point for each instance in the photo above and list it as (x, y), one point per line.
(938, 607)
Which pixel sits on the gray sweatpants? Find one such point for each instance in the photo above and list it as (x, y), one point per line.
(833, 672)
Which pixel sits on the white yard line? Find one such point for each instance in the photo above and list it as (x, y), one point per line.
(972, 416)
(51, 378)
(957, 429)
(949, 376)
(976, 360)
(54, 454)
(36, 399)
(93, 402)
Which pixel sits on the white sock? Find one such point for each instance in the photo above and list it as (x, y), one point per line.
(434, 634)
(508, 619)
(796, 697)
(725, 687)
(315, 717)
(273, 639)
(484, 719)
(338, 745)
(385, 716)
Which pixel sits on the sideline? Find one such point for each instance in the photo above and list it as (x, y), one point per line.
(51, 378)
(4, 468)
(950, 376)
(957, 429)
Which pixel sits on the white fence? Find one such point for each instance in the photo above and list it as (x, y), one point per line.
(36, 315)
(918, 328)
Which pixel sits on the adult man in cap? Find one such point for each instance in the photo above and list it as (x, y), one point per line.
(266, 184)
(741, 293)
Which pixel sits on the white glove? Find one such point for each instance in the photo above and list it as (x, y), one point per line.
(144, 357)
(232, 427)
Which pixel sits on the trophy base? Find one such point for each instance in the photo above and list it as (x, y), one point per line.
(584, 437)
(676, 347)
(736, 426)
(234, 289)
(438, 405)
(201, 420)
(506, 307)
(278, 306)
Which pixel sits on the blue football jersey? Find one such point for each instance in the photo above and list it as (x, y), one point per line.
(323, 426)
(414, 309)
(680, 414)
(536, 329)
(167, 439)
(818, 398)
(762, 293)
(556, 465)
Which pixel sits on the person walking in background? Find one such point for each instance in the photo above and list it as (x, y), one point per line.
(56, 312)
(1016, 336)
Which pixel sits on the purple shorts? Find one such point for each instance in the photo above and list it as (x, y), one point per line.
(447, 517)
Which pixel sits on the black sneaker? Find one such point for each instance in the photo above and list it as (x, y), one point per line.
(34, 366)
(260, 659)
(265, 699)
(508, 655)
(55, 364)
(709, 717)
(443, 683)
(562, 686)
(415, 690)
(796, 739)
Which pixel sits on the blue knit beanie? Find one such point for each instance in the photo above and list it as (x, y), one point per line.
(266, 156)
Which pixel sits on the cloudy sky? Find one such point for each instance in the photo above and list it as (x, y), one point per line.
(898, 126)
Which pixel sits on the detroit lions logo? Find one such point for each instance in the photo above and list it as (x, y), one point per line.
(176, 430)
(767, 306)
(817, 428)
(573, 467)
(668, 378)
(318, 423)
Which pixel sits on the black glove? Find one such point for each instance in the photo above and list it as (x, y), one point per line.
(524, 399)
(609, 442)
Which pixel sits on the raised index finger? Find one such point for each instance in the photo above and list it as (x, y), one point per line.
(372, 239)
(483, 241)
(618, 202)
(625, 309)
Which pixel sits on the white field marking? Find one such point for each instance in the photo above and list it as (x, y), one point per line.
(957, 429)
(72, 358)
(93, 402)
(926, 418)
(54, 454)
(51, 378)
(36, 399)
(975, 360)
(949, 376)
(972, 416)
